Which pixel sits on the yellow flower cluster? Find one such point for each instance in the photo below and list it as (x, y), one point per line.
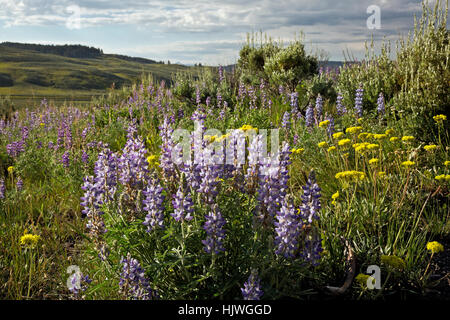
(440, 118)
(374, 161)
(332, 148)
(247, 127)
(322, 144)
(337, 135)
(350, 175)
(380, 136)
(447, 163)
(408, 163)
(393, 261)
(152, 160)
(362, 279)
(381, 174)
(334, 197)
(29, 240)
(353, 129)
(430, 147)
(407, 138)
(393, 139)
(325, 123)
(389, 131)
(435, 247)
(343, 142)
(10, 169)
(297, 151)
(445, 177)
(363, 146)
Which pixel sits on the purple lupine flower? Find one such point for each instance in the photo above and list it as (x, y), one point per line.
(252, 288)
(221, 75)
(295, 139)
(319, 108)
(208, 101)
(91, 202)
(166, 161)
(309, 117)
(209, 174)
(359, 101)
(287, 228)
(19, 184)
(133, 282)
(294, 101)
(273, 183)
(312, 250)
(79, 284)
(51, 145)
(2, 189)
(241, 92)
(153, 205)
(286, 121)
(15, 148)
(84, 157)
(380, 104)
(105, 170)
(330, 127)
(65, 159)
(183, 206)
(215, 234)
(197, 96)
(25, 133)
(310, 199)
(133, 165)
(61, 134)
(339, 106)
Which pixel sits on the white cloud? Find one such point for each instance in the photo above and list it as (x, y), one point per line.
(328, 24)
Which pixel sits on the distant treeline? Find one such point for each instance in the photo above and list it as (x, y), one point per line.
(71, 51)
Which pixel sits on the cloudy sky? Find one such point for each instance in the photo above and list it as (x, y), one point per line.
(209, 31)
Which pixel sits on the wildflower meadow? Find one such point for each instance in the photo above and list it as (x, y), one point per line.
(261, 182)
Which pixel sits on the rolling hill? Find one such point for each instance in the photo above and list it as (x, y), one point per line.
(28, 73)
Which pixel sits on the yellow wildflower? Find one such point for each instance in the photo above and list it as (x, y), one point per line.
(407, 138)
(247, 127)
(430, 147)
(389, 131)
(353, 129)
(332, 148)
(381, 174)
(393, 139)
(334, 197)
(380, 136)
(324, 123)
(440, 177)
(373, 161)
(152, 160)
(29, 240)
(372, 146)
(408, 163)
(435, 247)
(42, 124)
(298, 150)
(363, 135)
(10, 169)
(440, 118)
(322, 144)
(363, 278)
(343, 142)
(393, 261)
(350, 175)
(337, 135)
(447, 163)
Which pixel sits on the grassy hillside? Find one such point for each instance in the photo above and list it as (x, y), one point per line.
(27, 76)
